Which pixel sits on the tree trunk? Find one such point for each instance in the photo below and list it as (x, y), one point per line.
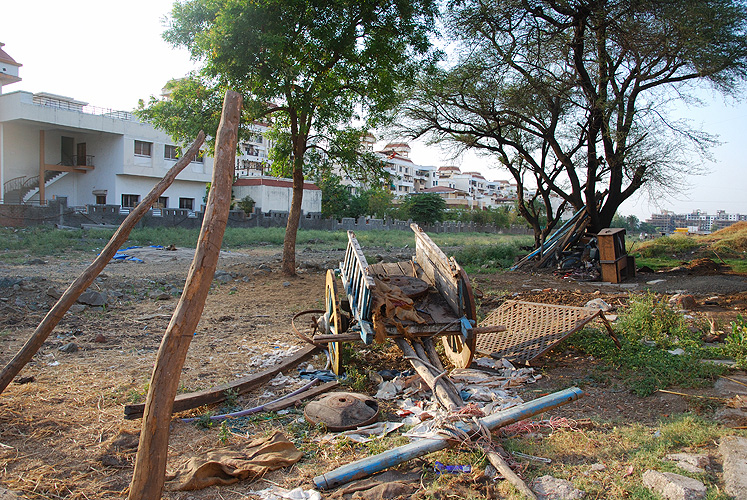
(150, 464)
(294, 217)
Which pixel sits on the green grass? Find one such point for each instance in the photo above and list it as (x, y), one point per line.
(20, 244)
(647, 329)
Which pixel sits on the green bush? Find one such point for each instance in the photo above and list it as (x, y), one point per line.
(647, 329)
(498, 255)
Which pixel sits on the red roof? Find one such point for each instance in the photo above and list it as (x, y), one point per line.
(259, 181)
(446, 169)
(4, 57)
(441, 189)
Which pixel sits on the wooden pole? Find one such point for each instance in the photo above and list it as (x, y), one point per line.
(83, 281)
(501, 466)
(150, 464)
(441, 389)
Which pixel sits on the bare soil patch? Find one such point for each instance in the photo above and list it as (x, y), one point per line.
(63, 432)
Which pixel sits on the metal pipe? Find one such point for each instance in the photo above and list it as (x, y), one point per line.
(371, 465)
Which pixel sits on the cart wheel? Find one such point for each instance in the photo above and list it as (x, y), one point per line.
(459, 352)
(332, 310)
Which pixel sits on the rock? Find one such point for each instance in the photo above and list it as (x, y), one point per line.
(728, 388)
(222, 276)
(598, 467)
(683, 301)
(53, 292)
(68, 348)
(76, 308)
(92, 298)
(696, 459)
(692, 469)
(99, 338)
(734, 451)
(8, 495)
(551, 488)
(35, 262)
(264, 267)
(19, 302)
(731, 417)
(674, 486)
(159, 295)
(286, 284)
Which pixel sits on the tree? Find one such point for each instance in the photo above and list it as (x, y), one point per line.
(335, 197)
(425, 208)
(575, 96)
(314, 66)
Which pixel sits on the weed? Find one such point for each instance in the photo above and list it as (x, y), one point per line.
(646, 330)
(354, 379)
(735, 344)
(224, 433)
(204, 421)
(231, 397)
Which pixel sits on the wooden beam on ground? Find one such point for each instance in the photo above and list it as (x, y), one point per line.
(440, 387)
(150, 463)
(217, 394)
(501, 466)
(83, 281)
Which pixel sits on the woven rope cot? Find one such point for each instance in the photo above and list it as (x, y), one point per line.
(532, 328)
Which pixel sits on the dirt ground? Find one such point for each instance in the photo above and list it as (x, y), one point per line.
(63, 432)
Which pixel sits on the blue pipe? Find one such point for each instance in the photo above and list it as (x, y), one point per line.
(371, 465)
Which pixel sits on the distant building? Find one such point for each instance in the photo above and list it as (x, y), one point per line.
(696, 221)
(274, 194)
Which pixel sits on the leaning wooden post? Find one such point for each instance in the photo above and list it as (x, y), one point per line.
(83, 281)
(150, 463)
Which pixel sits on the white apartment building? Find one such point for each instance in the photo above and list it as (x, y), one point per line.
(96, 156)
(88, 155)
(252, 159)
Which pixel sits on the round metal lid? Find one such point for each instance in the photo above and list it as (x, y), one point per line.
(341, 411)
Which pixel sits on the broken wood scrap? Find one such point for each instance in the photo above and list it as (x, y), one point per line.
(501, 466)
(218, 393)
(310, 393)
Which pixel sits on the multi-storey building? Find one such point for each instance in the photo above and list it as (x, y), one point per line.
(54, 147)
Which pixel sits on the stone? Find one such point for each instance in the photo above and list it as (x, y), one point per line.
(734, 452)
(286, 284)
(68, 348)
(99, 338)
(598, 467)
(92, 298)
(76, 308)
(8, 495)
(696, 459)
(673, 486)
(53, 292)
(222, 277)
(159, 295)
(692, 469)
(731, 417)
(551, 488)
(683, 301)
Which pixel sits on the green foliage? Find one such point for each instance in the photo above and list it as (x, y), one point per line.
(246, 204)
(500, 216)
(668, 246)
(224, 433)
(650, 319)
(646, 330)
(425, 208)
(497, 255)
(735, 344)
(335, 196)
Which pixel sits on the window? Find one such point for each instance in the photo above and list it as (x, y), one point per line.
(170, 152)
(163, 202)
(187, 203)
(130, 200)
(199, 158)
(143, 148)
(101, 199)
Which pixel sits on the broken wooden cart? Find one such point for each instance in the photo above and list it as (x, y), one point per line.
(411, 302)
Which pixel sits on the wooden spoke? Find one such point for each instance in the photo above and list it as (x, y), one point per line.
(332, 307)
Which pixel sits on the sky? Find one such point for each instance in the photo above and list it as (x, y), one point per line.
(111, 54)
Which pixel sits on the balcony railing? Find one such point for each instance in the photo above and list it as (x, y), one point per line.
(91, 110)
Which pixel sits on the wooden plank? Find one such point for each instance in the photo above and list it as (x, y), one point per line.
(436, 266)
(218, 393)
(150, 462)
(293, 401)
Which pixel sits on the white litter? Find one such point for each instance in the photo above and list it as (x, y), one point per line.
(278, 493)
